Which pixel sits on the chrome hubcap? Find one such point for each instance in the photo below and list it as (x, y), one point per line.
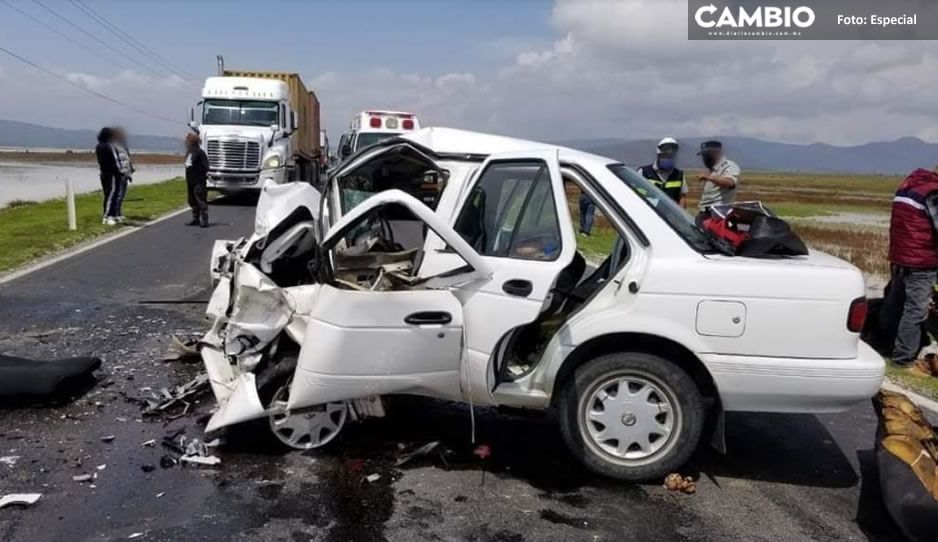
(629, 418)
(309, 428)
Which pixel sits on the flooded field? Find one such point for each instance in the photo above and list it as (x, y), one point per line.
(37, 182)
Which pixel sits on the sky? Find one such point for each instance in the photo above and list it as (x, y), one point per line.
(543, 69)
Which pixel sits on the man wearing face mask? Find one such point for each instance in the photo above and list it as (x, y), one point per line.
(721, 182)
(665, 173)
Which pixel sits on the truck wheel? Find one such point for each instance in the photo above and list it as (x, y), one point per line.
(631, 416)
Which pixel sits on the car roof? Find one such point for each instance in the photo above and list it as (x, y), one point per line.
(455, 142)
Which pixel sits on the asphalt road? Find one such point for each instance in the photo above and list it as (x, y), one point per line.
(784, 478)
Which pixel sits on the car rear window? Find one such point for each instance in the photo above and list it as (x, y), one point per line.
(669, 211)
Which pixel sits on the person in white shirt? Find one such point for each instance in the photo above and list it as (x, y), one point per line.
(126, 167)
(721, 182)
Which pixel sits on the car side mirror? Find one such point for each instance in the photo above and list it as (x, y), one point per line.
(194, 126)
(346, 149)
(294, 121)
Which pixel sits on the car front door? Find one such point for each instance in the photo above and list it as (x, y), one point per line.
(363, 341)
(515, 216)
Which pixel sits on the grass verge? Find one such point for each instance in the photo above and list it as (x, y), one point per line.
(922, 385)
(32, 230)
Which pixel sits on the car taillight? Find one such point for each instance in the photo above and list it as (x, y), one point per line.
(375, 122)
(407, 124)
(857, 315)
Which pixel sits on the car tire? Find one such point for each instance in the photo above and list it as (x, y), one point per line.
(661, 398)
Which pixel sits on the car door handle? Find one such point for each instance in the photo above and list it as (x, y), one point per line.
(518, 287)
(428, 318)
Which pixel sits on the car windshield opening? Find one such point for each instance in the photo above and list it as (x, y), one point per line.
(672, 213)
(241, 112)
(370, 138)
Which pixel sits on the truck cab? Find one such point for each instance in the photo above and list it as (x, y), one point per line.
(371, 126)
(252, 129)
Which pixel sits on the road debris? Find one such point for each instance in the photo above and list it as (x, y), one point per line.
(9, 460)
(684, 484)
(372, 478)
(176, 402)
(183, 349)
(149, 443)
(190, 450)
(107, 438)
(135, 535)
(482, 451)
(19, 499)
(201, 459)
(83, 478)
(422, 451)
(28, 377)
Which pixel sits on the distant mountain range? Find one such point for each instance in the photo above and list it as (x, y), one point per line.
(22, 134)
(887, 157)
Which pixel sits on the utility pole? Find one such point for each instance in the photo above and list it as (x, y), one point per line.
(221, 64)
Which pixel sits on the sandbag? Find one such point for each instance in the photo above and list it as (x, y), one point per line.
(907, 460)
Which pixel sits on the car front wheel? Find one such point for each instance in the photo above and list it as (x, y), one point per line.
(631, 416)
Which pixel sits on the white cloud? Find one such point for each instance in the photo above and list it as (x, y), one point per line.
(31, 96)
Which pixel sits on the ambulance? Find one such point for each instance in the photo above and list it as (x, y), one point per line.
(371, 126)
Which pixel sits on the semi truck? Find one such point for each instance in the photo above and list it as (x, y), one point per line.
(256, 126)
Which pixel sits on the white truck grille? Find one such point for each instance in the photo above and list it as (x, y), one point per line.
(233, 155)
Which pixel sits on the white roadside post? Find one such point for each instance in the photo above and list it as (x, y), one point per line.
(70, 204)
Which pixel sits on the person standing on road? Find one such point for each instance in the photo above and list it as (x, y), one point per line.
(913, 258)
(109, 173)
(126, 167)
(664, 173)
(721, 182)
(197, 181)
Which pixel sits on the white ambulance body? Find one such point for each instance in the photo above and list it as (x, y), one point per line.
(371, 126)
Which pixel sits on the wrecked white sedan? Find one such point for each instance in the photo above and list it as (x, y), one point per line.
(445, 263)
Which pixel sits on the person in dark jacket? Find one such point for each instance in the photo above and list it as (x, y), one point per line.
(913, 258)
(197, 181)
(109, 172)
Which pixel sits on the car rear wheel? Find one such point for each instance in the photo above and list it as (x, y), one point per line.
(631, 416)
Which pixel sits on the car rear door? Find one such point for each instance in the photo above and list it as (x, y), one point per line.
(515, 216)
(360, 343)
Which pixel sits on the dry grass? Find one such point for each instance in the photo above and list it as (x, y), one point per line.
(865, 247)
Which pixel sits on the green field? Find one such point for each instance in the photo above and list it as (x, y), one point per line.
(32, 230)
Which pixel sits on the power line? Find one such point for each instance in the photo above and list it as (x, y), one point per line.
(128, 39)
(99, 40)
(62, 34)
(86, 89)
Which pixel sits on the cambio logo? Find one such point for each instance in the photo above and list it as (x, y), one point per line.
(760, 17)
